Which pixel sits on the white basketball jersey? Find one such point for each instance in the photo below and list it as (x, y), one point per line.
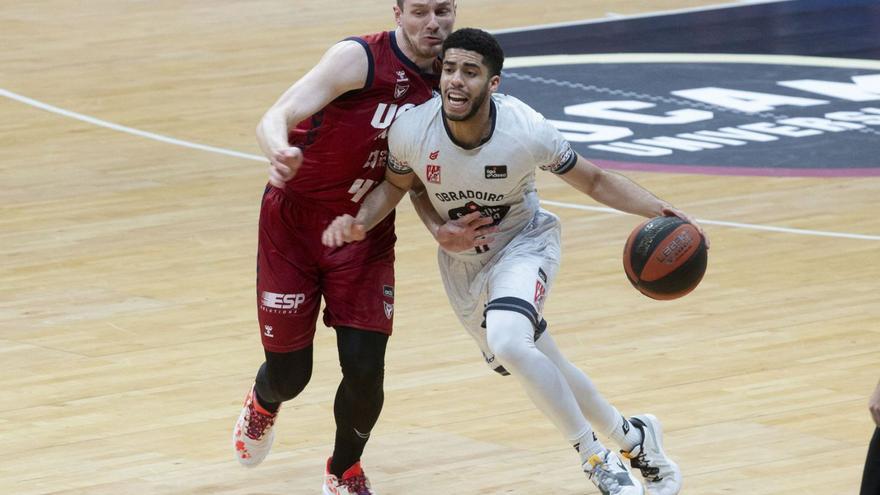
(496, 178)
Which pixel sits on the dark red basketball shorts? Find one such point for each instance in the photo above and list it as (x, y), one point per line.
(294, 270)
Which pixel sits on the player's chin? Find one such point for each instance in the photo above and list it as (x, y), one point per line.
(455, 112)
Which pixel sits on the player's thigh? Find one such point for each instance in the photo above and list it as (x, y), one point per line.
(523, 276)
(359, 293)
(288, 280)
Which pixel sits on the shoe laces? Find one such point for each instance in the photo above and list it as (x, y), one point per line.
(601, 476)
(639, 460)
(356, 484)
(258, 423)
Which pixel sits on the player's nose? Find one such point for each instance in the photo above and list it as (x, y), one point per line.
(432, 25)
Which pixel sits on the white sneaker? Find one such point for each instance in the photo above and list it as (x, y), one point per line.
(353, 481)
(611, 476)
(662, 476)
(253, 433)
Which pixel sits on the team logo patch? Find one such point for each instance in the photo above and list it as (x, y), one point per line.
(388, 291)
(540, 292)
(273, 302)
(542, 275)
(398, 166)
(496, 213)
(434, 154)
(402, 85)
(389, 309)
(496, 171)
(432, 173)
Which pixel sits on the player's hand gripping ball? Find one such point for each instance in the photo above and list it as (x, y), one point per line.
(665, 257)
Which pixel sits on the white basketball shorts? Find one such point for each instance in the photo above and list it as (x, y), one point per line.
(518, 278)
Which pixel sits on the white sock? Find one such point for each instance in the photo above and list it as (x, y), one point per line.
(588, 446)
(625, 434)
(511, 339)
(593, 405)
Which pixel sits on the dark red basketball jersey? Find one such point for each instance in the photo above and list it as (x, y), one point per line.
(345, 145)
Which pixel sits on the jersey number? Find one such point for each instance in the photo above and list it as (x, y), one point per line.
(359, 188)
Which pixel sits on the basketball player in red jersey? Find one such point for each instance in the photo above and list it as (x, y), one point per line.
(326, 140)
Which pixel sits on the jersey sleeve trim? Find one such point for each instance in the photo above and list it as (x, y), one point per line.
(564, 162)
(398, 166)
(569, 158)
(370, 62)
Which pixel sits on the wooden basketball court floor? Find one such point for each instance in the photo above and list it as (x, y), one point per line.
(127, 326)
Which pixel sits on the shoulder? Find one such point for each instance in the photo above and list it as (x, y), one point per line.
(416, 119)
(522, 120)
(515, 109)
(354, 47)
(424, 111)
(380, 38)
(346, 57)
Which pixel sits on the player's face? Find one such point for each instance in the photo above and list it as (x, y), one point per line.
(425, 24)
(465, 84)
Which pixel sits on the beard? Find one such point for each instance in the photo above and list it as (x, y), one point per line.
(476, 103)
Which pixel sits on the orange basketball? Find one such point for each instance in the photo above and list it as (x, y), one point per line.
(665, 257)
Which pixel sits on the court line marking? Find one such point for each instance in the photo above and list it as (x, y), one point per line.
(128, 130)
(769, 228)
(247, 156)
(689, 58)
(623, 17)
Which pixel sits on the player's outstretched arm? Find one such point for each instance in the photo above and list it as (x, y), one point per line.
(343, 68)
(619, 192)
(377, 204)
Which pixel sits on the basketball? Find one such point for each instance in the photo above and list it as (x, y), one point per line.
(665, 257)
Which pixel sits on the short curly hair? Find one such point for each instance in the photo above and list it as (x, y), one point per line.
(477, 40)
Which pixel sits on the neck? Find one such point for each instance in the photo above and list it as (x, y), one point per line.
(424, 63)
(470, 133)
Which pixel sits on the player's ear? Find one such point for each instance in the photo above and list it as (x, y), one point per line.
(494, 82)
(397, 14)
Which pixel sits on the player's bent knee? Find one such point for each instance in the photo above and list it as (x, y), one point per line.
(362, 358)
(510, 334)
(363, 376)
(284, 375)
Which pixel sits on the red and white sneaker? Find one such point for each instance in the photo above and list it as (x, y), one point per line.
(253, 433)
(353, 481)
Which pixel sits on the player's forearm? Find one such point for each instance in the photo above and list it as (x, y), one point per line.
(619, 192)
(378, 204)
(272, 132)
(425, 210)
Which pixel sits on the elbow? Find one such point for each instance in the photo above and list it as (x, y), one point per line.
(262, 124)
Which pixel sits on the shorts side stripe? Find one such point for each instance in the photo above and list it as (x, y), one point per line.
(522, 307)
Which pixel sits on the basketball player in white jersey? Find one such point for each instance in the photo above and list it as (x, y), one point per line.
(474, 153)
